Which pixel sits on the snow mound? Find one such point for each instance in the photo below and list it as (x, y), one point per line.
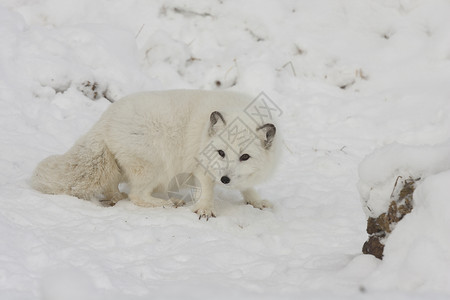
(417, 250)
(379, 171)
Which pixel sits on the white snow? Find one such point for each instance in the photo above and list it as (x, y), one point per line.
(380, 170)
(350, 77)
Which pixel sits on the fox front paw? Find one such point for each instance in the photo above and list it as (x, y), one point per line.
(205, 213)
(177, 202)
(261, 204)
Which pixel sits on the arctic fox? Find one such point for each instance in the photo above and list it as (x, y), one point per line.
(147, 139)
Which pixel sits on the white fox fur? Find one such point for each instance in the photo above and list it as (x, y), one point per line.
(147, 139)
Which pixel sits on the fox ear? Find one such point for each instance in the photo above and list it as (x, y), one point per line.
(217, 122)
(267, 133)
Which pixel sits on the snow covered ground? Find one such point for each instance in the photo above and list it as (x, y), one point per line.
(350, 76)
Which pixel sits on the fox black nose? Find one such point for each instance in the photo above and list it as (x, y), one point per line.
(225, 179)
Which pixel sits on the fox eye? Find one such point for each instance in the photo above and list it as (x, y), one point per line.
(221, 153)
(244, 157)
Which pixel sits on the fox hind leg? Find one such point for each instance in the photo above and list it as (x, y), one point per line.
(143, 184)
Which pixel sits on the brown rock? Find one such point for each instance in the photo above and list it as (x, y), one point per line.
(379, 228)
(374, 246)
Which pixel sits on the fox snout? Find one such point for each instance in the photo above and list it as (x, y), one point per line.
(225, 179)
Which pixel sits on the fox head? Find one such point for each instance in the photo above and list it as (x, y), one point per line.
(239, 152)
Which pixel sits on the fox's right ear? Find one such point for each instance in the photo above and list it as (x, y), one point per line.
(216, 123)
(267, 133)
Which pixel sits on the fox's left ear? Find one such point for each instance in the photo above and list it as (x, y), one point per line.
(216, 123)
(266, 133)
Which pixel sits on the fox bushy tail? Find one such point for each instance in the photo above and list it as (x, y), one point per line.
(86, 171)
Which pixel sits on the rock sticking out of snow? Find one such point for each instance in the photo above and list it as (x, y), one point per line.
(379, 228)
